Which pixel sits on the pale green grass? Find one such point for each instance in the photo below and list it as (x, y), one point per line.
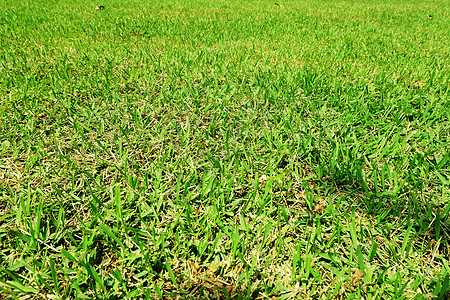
(224, 149)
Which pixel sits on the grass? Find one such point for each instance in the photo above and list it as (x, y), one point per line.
(224, 149)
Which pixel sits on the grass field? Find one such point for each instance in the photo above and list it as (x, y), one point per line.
(224, 149)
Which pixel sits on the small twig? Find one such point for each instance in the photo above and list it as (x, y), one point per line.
(40, 241)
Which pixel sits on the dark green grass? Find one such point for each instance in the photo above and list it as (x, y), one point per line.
(224, 149)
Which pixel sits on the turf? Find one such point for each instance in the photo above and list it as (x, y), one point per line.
(224, 149)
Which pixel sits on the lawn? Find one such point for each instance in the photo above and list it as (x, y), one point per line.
(224, 149)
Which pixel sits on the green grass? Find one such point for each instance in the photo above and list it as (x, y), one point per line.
(224, 149)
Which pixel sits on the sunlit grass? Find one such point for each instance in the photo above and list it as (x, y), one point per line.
(214, 149)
